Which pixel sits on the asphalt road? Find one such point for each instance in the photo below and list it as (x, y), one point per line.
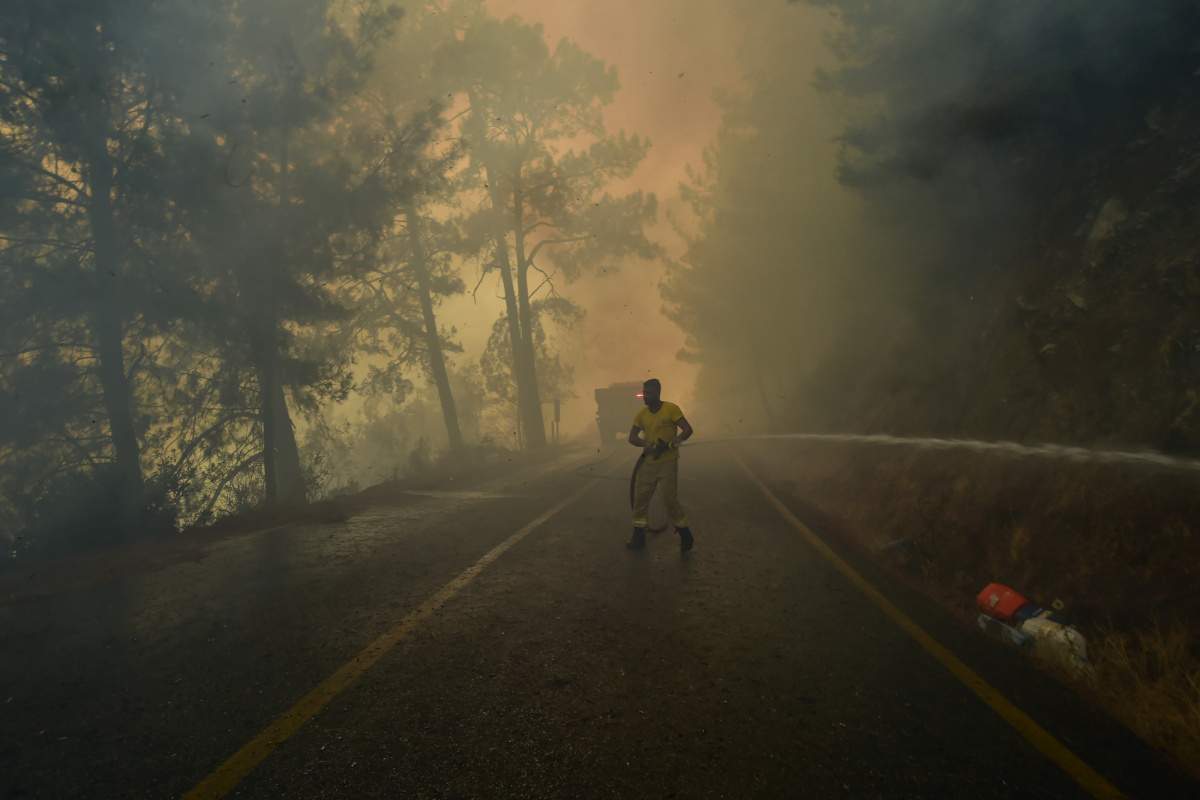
(566, 667)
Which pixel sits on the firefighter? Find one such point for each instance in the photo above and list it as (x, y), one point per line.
(658, 429)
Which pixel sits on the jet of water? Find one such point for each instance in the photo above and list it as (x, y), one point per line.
(1055, 451)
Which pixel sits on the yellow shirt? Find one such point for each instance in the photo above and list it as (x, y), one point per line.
(659, 424)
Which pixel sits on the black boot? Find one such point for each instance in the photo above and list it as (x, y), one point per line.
(639, 539)
(685, 538)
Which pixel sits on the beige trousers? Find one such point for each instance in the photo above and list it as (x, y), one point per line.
(664, 476)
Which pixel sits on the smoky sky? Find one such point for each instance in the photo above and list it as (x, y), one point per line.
(673, 58)
(670, 57)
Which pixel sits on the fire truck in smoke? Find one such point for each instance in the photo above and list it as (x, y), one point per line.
(616, 406)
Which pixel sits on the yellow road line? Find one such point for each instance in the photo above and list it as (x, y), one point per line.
(238, 766)
(1092, 782)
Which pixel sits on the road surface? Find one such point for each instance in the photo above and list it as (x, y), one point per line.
(559, 666)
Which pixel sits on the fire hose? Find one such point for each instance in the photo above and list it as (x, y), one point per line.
(659, 448)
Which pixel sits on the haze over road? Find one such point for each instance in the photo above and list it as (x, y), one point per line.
(565, 667)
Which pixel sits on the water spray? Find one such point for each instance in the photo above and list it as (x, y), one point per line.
(1075, 454)
(1053, 451)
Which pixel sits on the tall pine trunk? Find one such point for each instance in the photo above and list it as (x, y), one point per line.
(754, 362)
(535, 426)
(523, 363)
(290, 474)
(433, 340)
(107, 328)
(523, 373)
(756, 369)
(516, 340)
(282, 474)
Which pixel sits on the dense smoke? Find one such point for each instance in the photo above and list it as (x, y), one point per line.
(230, 227)
(995, 150)
(259, 251)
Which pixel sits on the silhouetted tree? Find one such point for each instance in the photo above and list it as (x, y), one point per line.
(547, 209)
(86, 107)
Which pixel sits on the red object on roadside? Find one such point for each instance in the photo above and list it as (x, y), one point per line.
(1000, 602)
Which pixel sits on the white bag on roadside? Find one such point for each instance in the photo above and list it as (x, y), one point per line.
(1055, 641)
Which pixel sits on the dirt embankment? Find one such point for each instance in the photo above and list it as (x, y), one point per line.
(1119, 546)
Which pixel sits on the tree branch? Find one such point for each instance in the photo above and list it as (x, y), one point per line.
(587, 173)
(543, 242)
(548, 279)
(482, 275)
(541, 223)
(238, 469)
(198, 439)
(48, 199)
(51, 346)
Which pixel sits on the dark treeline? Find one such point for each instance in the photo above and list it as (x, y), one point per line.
(218, 218)
(1012, 253)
